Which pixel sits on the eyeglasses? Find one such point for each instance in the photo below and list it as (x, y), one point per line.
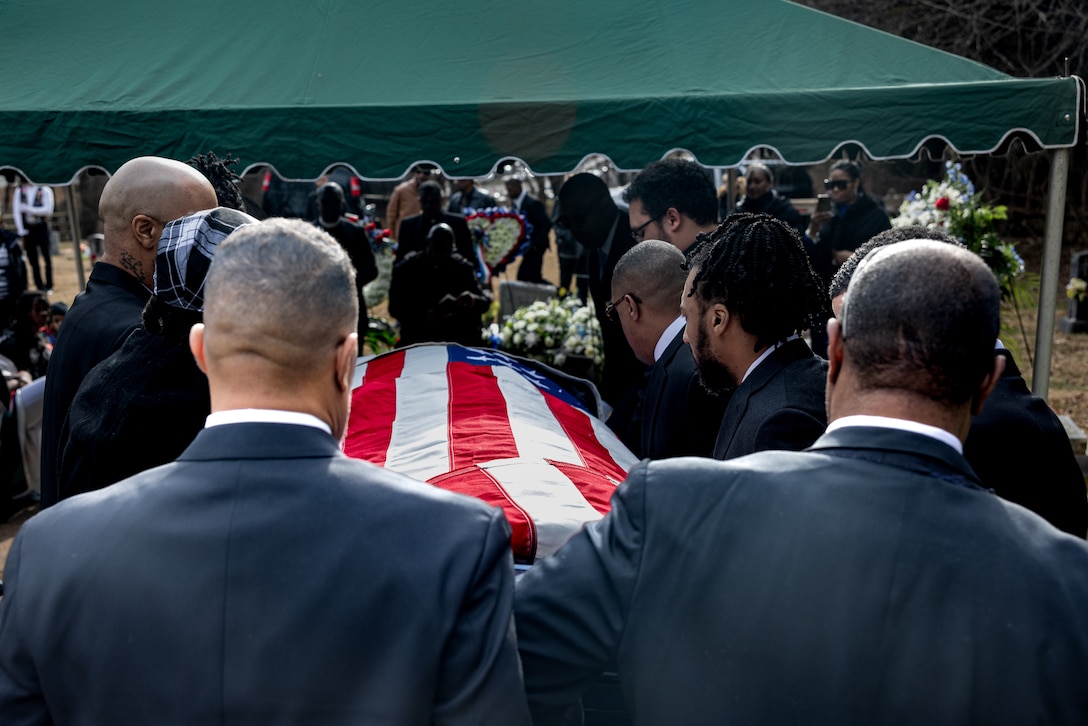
(640, 231)
(836, 183)
(610, 306)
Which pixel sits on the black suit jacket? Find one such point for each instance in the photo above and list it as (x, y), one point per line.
(532, 262)
(1019, 449)
(622, 372)
(139, 408)
(413, 235)
(477, 201)
(679, 416)
(536, 215)
(262, 578)
(867, 580)
(779, 406)
(100, 320)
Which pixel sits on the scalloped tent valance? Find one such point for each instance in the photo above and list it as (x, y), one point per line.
(304, 84)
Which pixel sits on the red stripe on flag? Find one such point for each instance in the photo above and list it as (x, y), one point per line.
(478, 421)
(475, 482)
(596, 489)
(373, 409)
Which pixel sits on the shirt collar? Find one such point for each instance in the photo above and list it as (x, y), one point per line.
(765, 354)
(265, 415)
(900, 424)
(667, 337)
(521, 198)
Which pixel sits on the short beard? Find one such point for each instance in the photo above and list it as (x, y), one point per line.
(714, 375)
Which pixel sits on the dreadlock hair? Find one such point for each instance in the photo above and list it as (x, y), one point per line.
(846, 271)
(223, 179)
(757, 267)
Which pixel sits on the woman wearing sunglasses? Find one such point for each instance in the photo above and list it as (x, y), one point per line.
(853, 219)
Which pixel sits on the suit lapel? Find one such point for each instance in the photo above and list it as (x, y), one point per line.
(786, 353)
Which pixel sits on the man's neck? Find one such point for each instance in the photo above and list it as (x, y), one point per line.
(667, 330)
(693, 234)
(900, 404)
(128, 264)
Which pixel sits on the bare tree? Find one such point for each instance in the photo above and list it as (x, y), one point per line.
(1023, 38)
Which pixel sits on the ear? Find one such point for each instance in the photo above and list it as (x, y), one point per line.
(196, 345)
(672, 219)
(346, 354)
(834, 350)
(634, 310)
(720, 319)
(146, 231)
(987, 386)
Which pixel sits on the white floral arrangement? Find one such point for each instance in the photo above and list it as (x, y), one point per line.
(934, 206)
(559, 331)
(1077, 289)
(952, 205)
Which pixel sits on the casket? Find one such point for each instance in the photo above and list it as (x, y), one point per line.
(511, 432)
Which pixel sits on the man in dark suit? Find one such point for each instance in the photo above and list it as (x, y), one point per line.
(679, 416)
(870, 579)
(435, 295)
(264, 576)
(138, 200)
(1016, 437)
(749, 295)
(414, 229)
(588, 211)
(468, 196)
(332, 208)
(532, 262)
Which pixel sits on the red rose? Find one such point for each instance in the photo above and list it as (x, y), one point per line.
(942, 204)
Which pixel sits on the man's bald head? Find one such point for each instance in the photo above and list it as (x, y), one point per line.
(922, 316)
(647, 285)
(655, 270)
(138, 200)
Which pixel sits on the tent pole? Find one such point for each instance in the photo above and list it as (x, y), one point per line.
(73, 224)
(1048, 280)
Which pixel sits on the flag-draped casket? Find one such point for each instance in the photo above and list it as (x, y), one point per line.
(513, 433)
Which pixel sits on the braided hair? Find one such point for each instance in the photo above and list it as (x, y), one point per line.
(222, 177)
(757, 267)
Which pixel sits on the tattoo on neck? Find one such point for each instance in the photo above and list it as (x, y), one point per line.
(135, 267)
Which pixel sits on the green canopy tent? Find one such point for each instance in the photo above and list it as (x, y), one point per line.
(307, 84)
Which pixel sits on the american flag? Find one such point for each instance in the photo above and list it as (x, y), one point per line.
(482, 423)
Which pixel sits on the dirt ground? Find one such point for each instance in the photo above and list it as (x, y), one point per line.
(1068, 370)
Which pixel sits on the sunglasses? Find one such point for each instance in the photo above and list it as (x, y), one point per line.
(610, 306)
(836, 183)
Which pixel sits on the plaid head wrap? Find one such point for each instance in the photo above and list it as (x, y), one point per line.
(185, 251)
